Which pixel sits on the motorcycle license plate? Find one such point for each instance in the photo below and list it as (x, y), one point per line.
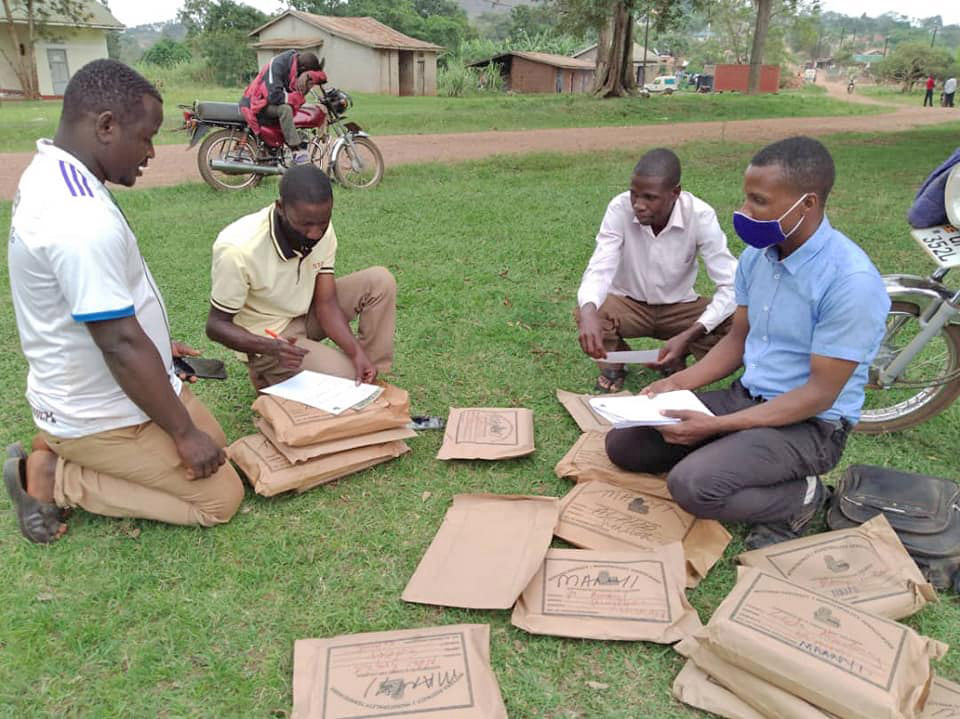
(941, 243)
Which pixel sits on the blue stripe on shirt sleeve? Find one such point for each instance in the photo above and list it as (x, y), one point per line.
(108, 315)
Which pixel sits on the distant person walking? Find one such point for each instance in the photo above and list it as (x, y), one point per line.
(928, 97)
(949, 89)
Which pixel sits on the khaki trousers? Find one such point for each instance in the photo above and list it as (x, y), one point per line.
(626, 318)
(136, 472)
(369, 294)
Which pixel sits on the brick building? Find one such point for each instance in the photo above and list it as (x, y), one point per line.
(542, 72)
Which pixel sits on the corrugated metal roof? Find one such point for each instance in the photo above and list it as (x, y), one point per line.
(363, 30)
(296, 43)
(97, 16)
(544, 58)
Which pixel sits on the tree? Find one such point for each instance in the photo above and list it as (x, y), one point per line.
(36, 15)
(911, 62)
(760, 29)
(217, 30)
(167, 53)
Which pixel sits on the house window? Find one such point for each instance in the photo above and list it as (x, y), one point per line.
(23, 50)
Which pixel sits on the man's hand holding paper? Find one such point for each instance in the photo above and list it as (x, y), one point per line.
(693, 427)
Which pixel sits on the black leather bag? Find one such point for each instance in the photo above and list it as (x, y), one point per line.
(923, 511)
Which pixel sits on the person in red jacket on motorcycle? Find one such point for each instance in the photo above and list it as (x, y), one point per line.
(277, 91)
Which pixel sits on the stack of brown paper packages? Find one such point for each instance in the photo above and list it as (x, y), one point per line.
(807, 632)
(299, 447)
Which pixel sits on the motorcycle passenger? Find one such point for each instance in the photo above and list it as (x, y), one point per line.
(811, 313)
(277, 91)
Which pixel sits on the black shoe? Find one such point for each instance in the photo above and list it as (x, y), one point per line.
(764, 535)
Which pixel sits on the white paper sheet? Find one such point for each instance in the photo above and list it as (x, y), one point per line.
(643, 411)
(324, 391)
(631, 357)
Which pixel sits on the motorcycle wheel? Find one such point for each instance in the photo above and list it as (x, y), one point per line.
(226, 145)
(361, 166)
(920, 392)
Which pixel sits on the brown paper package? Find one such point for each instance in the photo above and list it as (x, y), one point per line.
(944, 700)
(630, 596)
(758, 694)
(298, 424)
(578, 405)
(430, 673)
(695, 687)
(270, 473)
(839, 658)
(599, 515)
(485, 552)
(295, 455)
(587, 460)
(487, 433)
(865, 566)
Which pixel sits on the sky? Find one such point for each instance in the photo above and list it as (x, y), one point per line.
(139, 12)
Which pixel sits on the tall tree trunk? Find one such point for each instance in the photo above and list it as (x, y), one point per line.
(759, 40)
(31, 47)
(21, 63)
(614, 74)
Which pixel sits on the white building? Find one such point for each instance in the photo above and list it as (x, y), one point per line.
(72, 46)
(362, 54)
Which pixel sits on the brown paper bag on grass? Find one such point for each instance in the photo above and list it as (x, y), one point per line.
(486, 551)
(430, 673)
(760, 696)
(598, 515)
(865, 566)
(296, 455)
(944, 700)
(839, 658)
(487, 433)
(270, 473)
(587, 460)
(578, 405)
(632, 596)
(695, 687)
(298, 424)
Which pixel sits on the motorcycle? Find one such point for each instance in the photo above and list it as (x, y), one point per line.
(851, 86)
(233, 157)
(916, 373)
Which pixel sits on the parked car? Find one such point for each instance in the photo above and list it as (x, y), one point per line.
(664, 83)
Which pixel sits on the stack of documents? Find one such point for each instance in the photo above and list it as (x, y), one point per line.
(645, 411)
(325, 391)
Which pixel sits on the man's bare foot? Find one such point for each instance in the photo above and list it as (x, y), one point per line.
(41, 477)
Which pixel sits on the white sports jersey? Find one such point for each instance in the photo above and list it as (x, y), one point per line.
(73, 259)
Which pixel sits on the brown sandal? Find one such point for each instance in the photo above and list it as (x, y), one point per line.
(39, 521)
(614, 380)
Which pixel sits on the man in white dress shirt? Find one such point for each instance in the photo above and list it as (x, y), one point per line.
(640, 279)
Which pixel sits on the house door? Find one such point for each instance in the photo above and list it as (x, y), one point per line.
(59, 72)
(421, 78)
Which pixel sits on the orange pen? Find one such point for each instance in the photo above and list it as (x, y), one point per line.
(278, 337)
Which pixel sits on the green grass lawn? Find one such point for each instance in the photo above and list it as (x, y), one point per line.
(893, 93)
(134, 619)
(21, 123)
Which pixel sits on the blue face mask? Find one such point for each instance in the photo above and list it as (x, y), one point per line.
(764, 233)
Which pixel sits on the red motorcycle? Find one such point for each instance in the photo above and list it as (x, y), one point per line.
(233, 157)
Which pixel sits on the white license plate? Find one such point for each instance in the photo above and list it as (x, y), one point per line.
(941, 243)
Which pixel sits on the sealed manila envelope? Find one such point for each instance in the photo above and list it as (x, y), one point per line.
(839, 658)
(696, 688)
(588, 460)
(321, 449)
(866, 566)
(598, 515)
(578, 405)
(430, 673)
(270, 473)
(760, 695)
(587, 594)
(944, 700)
(486, 551)
(487, 433)
(298, 424)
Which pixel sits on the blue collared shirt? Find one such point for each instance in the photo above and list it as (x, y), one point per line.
(826, 298)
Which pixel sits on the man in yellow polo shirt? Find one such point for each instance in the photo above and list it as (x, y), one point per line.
(274, 295)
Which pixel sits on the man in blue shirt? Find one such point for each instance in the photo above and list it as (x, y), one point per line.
(811, 312)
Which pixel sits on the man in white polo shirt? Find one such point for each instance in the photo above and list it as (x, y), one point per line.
(274, 296)
(640, 279)
(120, 434)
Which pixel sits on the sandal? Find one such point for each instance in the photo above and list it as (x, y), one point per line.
(614, 380)
(39, 521)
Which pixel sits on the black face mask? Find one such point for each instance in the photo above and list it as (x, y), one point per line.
(297, 240)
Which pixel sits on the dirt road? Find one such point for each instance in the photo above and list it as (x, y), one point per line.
(174, 164)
